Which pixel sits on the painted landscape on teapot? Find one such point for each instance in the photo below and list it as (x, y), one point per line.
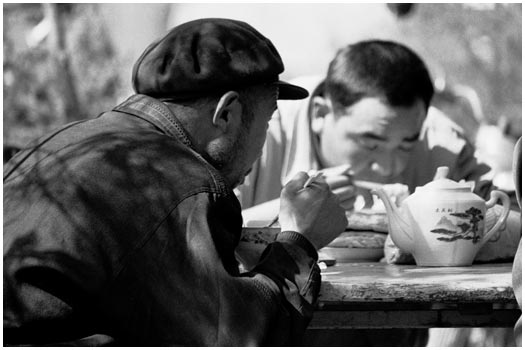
(459, 225)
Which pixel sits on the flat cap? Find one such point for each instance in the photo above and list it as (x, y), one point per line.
(210, 55)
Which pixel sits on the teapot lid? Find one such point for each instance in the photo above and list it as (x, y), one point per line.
(442, 183)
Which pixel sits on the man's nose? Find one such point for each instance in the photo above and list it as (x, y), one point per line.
(384, 163)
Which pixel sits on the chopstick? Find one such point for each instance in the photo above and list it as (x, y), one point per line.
(274, 221)
(348, 180)
(318, 174)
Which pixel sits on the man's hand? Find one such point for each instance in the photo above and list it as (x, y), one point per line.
(313, 211)
(347, 188)
(341, 183)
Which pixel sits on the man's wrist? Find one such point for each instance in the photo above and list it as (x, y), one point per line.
(299, 240)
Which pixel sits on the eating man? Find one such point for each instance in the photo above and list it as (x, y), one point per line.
(369, 119)
(121, 229)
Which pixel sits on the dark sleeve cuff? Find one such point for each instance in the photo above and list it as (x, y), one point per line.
(299, 240)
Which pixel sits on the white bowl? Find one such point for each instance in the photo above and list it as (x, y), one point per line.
(253, 242)
(346, 254)
(255, 239)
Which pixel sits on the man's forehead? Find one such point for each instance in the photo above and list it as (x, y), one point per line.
(373, 115)
(378, 109)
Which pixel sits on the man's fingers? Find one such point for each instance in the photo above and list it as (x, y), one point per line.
(345, 193)
(296, 183)
(348, 205)
(368, 198)
(346, 197)
(337, 181)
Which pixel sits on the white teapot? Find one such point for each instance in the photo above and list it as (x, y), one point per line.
(443, 222)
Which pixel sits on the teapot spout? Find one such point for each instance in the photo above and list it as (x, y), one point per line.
(398, 226)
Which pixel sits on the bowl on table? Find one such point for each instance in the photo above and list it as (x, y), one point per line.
(356, 246)
(363, 240)
(342, 255)
(252, 243)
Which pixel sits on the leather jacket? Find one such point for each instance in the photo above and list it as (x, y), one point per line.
(117, 226)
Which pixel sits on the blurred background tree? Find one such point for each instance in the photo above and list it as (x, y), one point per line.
(478, 45)
(70, 61)
(59, 66)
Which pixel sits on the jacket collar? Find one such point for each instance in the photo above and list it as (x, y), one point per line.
(157, 113)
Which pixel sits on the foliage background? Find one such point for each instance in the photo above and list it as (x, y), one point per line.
(32, 100)
(86, 70)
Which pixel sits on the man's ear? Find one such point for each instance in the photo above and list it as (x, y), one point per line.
(320, 108)
(228, 112)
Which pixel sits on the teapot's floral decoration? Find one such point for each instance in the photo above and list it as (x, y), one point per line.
(468, 230)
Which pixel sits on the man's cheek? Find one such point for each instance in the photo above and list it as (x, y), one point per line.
(359, 161)
(400, 164)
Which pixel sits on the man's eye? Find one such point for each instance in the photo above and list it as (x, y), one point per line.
(368, 144)
(407, 147)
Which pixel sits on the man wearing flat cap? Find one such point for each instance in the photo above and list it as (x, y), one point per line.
(121, 229)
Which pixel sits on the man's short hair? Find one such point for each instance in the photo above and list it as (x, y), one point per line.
(378, 68)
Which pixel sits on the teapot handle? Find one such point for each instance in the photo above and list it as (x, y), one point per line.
(505, 200)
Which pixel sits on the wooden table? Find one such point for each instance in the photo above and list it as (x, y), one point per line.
(377, 295)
